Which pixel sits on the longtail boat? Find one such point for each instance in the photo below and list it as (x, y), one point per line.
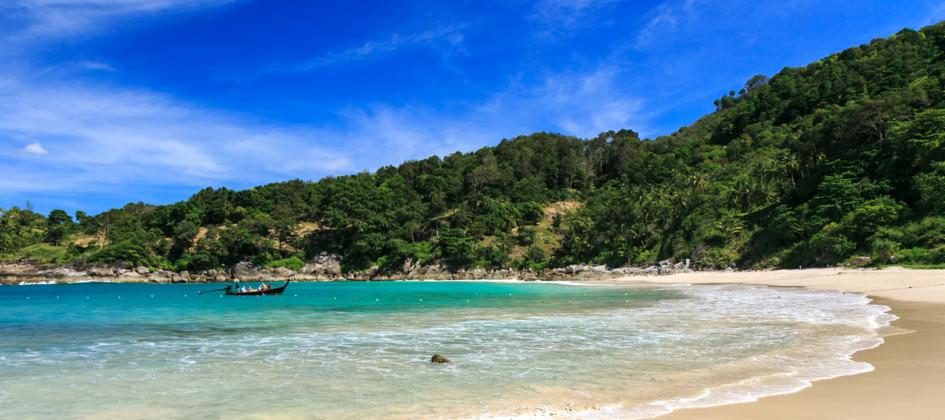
(273, 291)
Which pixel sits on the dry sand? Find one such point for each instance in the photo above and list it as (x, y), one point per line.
(909, 379)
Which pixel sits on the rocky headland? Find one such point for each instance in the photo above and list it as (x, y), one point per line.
(324, 267)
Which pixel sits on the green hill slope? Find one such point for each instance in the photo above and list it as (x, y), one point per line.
(842, 158)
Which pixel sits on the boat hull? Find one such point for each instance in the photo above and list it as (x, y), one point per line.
(273, 291)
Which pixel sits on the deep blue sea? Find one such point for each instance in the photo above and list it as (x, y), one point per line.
(362, 349)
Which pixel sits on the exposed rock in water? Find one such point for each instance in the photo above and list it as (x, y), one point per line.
(437, 358)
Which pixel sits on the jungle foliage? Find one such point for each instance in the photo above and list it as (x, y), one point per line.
(844, 157)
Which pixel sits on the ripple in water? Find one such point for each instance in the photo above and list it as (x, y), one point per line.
(354, 350)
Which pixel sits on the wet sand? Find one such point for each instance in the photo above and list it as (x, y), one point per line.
(909, 377)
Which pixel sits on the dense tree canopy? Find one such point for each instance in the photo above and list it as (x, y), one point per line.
(815, 165)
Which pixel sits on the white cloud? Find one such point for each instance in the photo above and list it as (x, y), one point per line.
(47, 19)
(110, 140)
(383, 135)
(104, 136)
(95, 65)
(588, 104)
(36, 149)
(582, 104)
(561, 17)
(664, 19)
(107, 138)
(447, 39)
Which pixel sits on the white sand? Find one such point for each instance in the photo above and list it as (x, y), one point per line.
(892, 283)
(909, 380)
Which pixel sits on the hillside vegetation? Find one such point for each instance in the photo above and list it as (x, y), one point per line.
(842, 158)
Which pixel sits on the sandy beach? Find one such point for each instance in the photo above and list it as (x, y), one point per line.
(909, 377)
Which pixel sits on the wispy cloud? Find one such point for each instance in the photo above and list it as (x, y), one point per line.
(74, 138)
(95, 65)
(106, 136)
(936, 12)
(33, 20)
(558, 18)
(446, 39)
(665, 18)
(582, 104)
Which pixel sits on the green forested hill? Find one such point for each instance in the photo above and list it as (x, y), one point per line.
(814, 166)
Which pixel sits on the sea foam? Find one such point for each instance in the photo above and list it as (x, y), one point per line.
(362, 350)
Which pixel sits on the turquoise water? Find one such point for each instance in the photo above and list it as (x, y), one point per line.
(356, 350)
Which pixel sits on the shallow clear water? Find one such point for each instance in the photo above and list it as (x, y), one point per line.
(356, 350)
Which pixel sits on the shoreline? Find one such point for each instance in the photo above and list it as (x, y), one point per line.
(907, 379)
(905, 383)
(897, 283)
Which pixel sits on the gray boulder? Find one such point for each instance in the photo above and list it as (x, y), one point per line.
(245, 269)
(102, 271)
(323, 265)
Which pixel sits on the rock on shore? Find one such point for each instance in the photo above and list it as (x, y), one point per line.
(323, 267)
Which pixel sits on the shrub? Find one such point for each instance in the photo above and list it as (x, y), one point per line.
(44, 254)
(829, 246)
(292, 263)
(197, 261)
(130, 252)
(526, 236)
(531, 213)
(534, 259)
(883, 251)
(490, 257)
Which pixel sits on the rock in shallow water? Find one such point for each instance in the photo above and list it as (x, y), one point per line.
(439, 359)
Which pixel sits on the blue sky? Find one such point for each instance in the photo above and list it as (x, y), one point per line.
(104, 102)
